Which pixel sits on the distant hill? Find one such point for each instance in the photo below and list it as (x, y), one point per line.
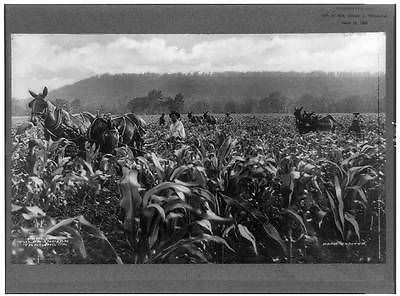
(112, 92)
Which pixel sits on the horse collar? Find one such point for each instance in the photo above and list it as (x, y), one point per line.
(58, 118)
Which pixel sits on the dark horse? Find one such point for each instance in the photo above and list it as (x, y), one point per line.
(111, 132)
(209, 118)
(308, 122)
(57, 122)
(194, 119)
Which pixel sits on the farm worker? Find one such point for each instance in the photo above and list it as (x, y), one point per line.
(228, 118)
(355, 124)
(176, 128)
(162, 120)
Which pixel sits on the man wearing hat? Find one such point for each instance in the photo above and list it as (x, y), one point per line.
(176, 128)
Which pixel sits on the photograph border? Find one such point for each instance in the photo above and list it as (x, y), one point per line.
(212, 278)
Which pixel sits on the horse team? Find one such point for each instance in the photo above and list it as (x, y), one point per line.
(308, 122)
(109, 132)
(205, 119)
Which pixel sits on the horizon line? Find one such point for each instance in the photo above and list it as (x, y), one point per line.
(211, 73)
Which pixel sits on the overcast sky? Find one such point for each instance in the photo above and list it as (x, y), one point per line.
(57, 60)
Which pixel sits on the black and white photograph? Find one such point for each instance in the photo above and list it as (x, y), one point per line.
(189, 148)
(198, 148)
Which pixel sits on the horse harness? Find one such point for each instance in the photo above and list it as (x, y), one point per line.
(120, 136)
(57, 125)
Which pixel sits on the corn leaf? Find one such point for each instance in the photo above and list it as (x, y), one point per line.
(298, 218)
(15, 208)
(206, 225)
(360, 192)
(159, 209)
(335, 213)
(271, 231)
(164, 186)
(159, 168)
(245, 233)
(354, 171)
(339, 198)
(350, 218)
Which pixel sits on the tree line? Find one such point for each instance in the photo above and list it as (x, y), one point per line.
(155, 102)
(235, 92)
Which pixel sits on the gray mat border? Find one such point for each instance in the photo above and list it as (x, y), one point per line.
(197, 19)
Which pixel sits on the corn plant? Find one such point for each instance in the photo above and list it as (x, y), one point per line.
(36, 237)
(253, 190)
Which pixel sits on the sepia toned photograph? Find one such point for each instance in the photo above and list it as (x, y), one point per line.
(227, 149)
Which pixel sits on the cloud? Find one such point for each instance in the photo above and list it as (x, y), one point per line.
(56, 60)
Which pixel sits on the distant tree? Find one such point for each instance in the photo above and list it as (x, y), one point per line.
(165, 103)
(199, 106)
(62, 103)
(206, 105)
(191, 106)
(169, 103)
(230, 107)
(248, 106)
(138, 105)
(223, 87)
(147, 104)
(313, 103)
(112, 107)
(91, 108)
(263, 105)
(155, 95)
(179, 102)
(216, 107)
(76, 105)
(274, 103)
(360, 104)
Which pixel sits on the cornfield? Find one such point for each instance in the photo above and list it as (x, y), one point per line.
(252, 191)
